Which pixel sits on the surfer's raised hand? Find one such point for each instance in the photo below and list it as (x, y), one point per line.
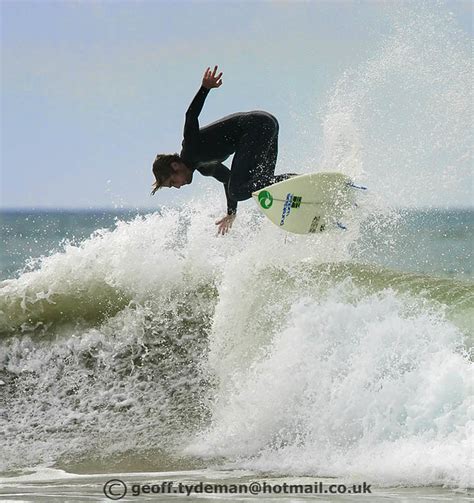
(225, 224)
(210, 79)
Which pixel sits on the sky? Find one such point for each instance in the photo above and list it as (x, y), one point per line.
(91, 91)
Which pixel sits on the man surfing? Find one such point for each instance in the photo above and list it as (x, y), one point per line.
(251, 136)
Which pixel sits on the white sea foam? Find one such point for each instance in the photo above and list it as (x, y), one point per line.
(345, 387)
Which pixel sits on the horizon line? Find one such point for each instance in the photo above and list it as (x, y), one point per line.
(156, 208)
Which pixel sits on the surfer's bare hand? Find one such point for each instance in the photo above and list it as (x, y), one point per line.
(211, 79)
(225, 224)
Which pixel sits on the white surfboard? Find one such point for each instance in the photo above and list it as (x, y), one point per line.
(309, 203)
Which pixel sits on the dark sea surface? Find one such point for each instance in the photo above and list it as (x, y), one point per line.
(436, 242)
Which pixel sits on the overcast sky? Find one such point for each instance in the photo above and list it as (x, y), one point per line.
(91, 91)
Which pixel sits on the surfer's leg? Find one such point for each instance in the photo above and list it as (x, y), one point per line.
(253, 166)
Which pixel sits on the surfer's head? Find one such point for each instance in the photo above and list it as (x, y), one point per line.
(170, 171)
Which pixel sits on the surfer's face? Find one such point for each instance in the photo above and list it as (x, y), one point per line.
(182, 175)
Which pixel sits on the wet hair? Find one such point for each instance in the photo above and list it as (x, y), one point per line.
(162, 169)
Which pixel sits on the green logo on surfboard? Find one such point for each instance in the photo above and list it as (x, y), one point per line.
(265, 199)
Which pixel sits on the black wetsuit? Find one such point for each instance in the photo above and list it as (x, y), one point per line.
(251, 136)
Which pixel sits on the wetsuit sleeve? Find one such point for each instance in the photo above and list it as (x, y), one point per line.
(222, 174)
(191, 125)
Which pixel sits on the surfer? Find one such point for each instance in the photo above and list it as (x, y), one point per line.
(251, 136)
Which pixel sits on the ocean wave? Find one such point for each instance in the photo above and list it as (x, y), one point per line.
(260, 350)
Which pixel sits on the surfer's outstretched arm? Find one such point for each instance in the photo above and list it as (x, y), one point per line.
(191, 124)
(210, 80)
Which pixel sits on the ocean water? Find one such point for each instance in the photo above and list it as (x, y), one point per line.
(152, 345)
(140, 346)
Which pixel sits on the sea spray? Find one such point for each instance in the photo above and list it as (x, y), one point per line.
(401, 123)
(402, 120)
